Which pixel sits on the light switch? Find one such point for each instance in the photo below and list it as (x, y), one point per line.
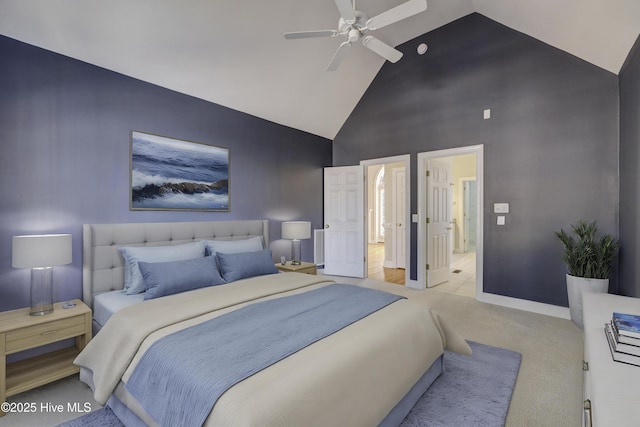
(414, 218)
(501, 208)
(486, 114)
(501, 219)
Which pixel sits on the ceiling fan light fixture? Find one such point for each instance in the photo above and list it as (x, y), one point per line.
(353, 36)
(354, 24)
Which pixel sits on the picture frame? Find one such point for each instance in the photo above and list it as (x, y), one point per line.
(173, 174)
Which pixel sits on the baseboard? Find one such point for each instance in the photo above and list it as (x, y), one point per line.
(521, 304)
(413, 284)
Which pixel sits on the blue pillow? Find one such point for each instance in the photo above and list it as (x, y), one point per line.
(134, 254)
(167, 278)
(246, 264)
(252, 244)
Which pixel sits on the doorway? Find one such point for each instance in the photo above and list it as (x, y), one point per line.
(450, 220)
(387, 218)
(469, 217)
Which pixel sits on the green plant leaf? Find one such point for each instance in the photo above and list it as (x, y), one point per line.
(585, 255)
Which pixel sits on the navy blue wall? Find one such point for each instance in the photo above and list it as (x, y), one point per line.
(630, 174)
(65, 127)
(551, 145)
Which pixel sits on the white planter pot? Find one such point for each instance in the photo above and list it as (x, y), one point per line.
(575, 288)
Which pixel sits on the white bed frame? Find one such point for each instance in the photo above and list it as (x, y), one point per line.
(102, 264)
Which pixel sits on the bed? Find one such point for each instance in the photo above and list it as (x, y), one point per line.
(369, 371)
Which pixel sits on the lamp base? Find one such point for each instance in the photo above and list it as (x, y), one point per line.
(41, 291)
(40, 311)
(295, 259)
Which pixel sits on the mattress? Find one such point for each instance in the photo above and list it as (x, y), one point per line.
(108, 303)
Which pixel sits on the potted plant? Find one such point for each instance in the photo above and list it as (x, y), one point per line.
(589, 260)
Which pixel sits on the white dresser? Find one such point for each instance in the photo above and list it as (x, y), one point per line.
(611, 389)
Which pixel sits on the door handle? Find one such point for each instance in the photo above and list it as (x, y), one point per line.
(449, 228)
(399, 225)
(326, 226)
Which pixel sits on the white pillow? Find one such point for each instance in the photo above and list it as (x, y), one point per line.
(253, 244)
(134, 283)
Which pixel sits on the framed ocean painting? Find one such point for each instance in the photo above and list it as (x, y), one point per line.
(171, 174)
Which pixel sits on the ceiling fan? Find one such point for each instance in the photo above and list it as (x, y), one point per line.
(354, 24)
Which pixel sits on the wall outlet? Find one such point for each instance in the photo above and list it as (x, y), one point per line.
(501, 208)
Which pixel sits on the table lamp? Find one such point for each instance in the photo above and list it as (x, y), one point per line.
(296, 230)
(41, 253)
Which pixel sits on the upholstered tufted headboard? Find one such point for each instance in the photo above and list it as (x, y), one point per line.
(102, 266)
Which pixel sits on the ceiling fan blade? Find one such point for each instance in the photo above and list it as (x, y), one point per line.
(382, 49)
(397, 13)
(309, 34)
(346, 11)
(338, 56)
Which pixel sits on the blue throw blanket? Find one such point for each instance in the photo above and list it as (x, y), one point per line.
(181, 376)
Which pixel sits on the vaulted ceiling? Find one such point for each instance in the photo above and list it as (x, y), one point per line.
(233, 53)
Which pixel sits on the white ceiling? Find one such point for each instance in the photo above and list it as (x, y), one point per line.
(233, 52)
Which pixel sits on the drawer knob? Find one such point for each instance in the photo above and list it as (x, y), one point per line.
(49, 333)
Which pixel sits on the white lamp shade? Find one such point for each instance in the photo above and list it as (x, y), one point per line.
(296, 230)
(46, 250)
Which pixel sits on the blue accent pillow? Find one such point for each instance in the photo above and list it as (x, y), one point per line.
(246, 264)
(252, 244)
(134, 284)
(167, 278)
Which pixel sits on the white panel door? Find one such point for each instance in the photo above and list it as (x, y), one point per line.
(399, 215)
(344, 221)
(438, 221)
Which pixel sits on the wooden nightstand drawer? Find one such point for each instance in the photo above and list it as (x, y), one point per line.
(37, 335)
(308, 270)
(304, 267)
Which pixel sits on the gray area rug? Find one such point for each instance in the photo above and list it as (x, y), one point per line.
(473, 391)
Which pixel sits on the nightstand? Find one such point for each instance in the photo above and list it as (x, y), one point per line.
(19, 331)
(304, 267)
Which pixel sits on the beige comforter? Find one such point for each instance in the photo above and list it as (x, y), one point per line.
(353, 377)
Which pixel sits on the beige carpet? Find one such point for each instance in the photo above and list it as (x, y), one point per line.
(548, 391)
